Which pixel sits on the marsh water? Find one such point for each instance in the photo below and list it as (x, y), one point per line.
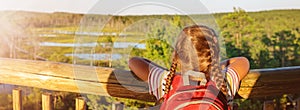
(95, 56)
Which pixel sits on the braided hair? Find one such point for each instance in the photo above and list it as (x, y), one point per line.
(205, 44)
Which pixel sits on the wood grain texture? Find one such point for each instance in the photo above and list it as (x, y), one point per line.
(17, 99)
(47, 102)
(73, 78)
(80, 104)
(261, 83)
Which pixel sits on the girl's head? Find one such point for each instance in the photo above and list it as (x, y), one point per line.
(197, 49)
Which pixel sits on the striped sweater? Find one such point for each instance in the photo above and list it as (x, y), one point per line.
(157, 80)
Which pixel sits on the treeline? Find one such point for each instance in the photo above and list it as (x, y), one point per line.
(36, 19)
(266, 38)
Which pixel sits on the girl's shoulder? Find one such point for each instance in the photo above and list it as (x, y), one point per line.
(155, 68)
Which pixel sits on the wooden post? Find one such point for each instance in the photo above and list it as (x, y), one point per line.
(80, 104)
(17, 99)
(47, 103)
(117, 106)
(298, 104)
(269, 105)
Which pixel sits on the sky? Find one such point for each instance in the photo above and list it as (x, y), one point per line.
(136, 7)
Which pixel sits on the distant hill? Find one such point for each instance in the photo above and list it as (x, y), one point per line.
(38, 19)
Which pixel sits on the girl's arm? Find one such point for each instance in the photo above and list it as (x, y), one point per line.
(141, 67)
(238, 64)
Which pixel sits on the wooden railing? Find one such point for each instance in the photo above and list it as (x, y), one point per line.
(47, 103)
(73, 78)
(260, 83)
(271, 82)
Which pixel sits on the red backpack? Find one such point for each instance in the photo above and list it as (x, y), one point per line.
(194, 97)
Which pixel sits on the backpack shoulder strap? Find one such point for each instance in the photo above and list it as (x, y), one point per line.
(195, 74)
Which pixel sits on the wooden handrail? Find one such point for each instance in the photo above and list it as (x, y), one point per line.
(73, 78)
(260, 83)
(121, 83)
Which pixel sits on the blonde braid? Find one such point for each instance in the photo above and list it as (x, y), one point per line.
(171, 75)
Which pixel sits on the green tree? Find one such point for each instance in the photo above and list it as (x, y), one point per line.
(236, 27)
(158, 48)
(64, 100)
(33, 100)
(159, 51)
(285, 47)
(99, 102)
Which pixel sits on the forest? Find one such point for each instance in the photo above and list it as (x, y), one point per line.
(269, 39)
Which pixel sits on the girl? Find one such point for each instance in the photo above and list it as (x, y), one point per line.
(196, 50)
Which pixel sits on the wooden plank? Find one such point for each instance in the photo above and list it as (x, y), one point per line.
(79, 72)
(78, 78)
(71, 85)
(270, 82)
(47, 103)
(80, 103)
(17, 99)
